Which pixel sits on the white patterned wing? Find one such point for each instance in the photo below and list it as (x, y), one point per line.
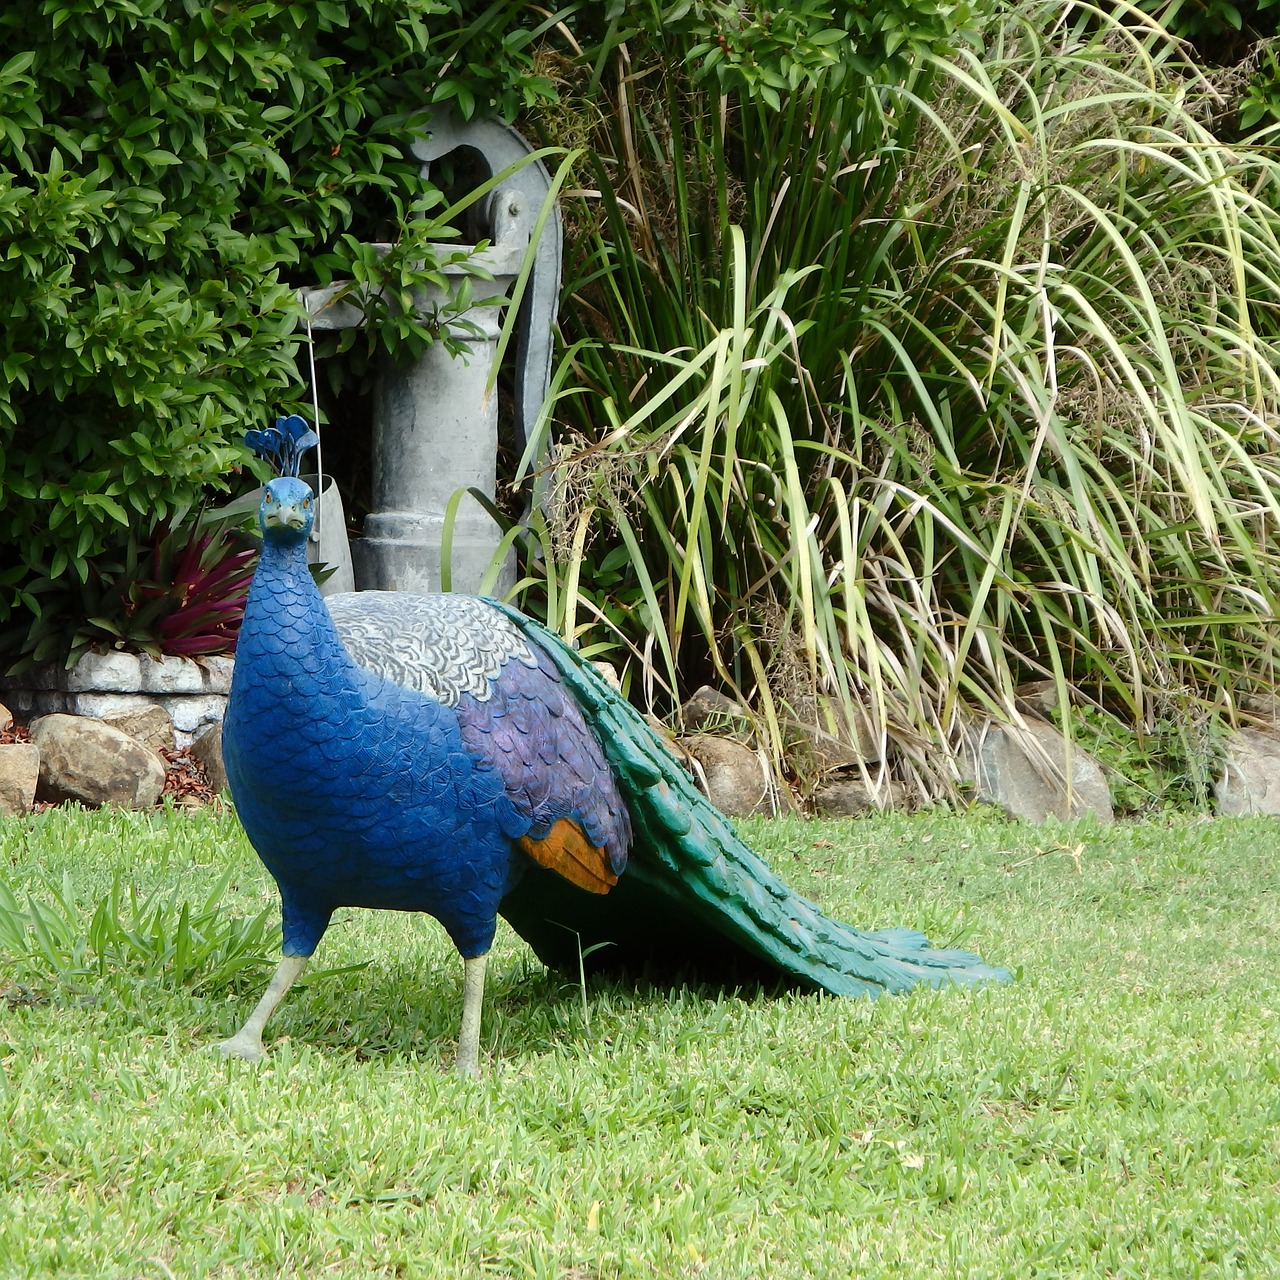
(443, 645)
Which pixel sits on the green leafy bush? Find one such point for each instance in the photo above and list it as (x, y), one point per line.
(1260, 102)
(1239, 36)
(1168, 767)
(169, 171)
(765, 51)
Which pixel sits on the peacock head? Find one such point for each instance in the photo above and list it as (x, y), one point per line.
(287, 510)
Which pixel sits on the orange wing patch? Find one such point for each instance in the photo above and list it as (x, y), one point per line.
(566, 851)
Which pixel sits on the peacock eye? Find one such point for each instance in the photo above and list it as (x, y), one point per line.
(306, 502)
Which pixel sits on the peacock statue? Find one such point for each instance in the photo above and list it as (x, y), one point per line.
(447, 754)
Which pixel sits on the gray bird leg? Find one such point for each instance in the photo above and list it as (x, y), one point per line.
(247, 1042)
(472, 1000)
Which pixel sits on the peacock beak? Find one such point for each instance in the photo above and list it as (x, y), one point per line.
(284, 515)
(286, 506)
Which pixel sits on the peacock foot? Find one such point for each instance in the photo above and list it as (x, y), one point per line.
(246, 1047)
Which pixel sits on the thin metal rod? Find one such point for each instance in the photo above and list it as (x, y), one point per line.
(315, 410)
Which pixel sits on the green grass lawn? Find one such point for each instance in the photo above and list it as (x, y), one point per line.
(1115, 1112)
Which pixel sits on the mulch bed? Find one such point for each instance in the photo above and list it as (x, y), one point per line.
(186, 781)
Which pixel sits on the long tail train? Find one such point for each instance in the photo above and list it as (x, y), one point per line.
(700, 886)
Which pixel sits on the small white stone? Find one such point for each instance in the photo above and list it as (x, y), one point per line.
(192, 712)
(104, 673)
(217, 674)
(171, 675)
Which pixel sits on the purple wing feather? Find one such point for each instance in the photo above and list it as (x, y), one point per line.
(551, 763)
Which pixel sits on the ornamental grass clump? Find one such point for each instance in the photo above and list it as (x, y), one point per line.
(910, 392)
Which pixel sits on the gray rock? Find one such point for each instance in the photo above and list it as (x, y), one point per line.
(1264, 707)
(1040, 698)
(829, 740)
(19, 774)
(98, 705)
(707, 705)
(120, 672)
(86, 760)
(188, 712)
(823, 751)
(207, 748)
(1250, 781)
(25, 703)
(1025, 772)
(610, 674)
(149, 724)
(737, 783)
(848, 797)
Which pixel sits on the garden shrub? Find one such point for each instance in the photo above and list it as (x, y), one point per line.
(169, 171)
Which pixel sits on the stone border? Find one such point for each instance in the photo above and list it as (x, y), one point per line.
(192, 690)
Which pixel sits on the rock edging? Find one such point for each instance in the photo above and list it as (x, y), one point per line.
(107, 685)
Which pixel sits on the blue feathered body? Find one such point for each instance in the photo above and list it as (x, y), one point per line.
(406, 781)
(354, 790)
(446, 754)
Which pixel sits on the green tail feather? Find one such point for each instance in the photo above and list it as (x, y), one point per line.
(693, 890)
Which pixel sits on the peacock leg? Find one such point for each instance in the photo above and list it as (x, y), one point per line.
(472, 1001)
(247, 1042)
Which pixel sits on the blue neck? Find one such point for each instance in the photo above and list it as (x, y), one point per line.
(287, 630)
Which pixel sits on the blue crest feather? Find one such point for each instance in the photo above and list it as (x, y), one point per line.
(284, 444)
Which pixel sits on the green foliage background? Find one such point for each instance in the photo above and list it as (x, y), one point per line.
(167, 171)
(957, 328)
(170, 169)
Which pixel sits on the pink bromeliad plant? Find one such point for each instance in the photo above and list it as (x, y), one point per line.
(179, 590)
